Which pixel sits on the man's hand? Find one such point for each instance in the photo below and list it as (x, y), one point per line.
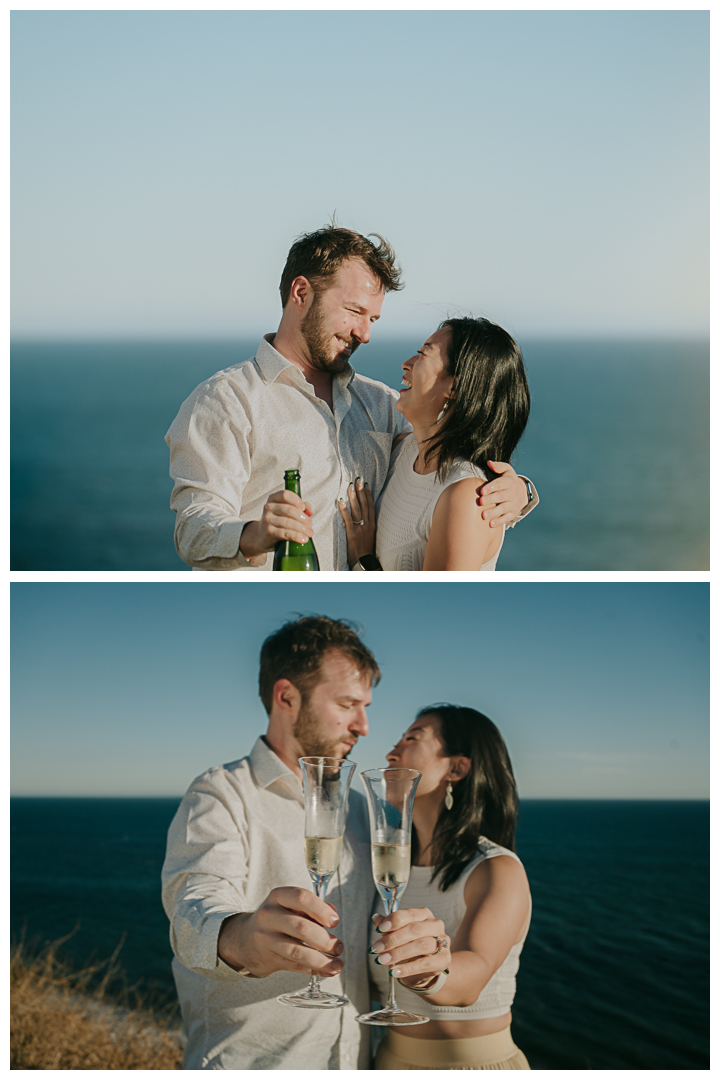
(284, 517)
(286, 933)
(504, 497)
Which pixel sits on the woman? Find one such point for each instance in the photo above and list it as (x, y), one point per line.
(466, 396)
(467, 890)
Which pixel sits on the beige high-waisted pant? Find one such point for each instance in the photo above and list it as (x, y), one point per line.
(496, 1051)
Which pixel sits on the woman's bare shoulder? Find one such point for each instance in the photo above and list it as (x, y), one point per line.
(462, 492)
(503, 872)
(497, 908)
(460, 538)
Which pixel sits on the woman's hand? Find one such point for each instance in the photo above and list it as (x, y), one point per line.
(410, 945)
(359, 519)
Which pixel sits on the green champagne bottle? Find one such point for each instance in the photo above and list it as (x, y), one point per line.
(289, 555)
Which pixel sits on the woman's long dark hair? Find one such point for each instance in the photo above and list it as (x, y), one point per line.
(485, 802)
(491, 400)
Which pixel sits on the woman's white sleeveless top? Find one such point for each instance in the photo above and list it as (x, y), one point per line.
(406, 505)
(497, 996)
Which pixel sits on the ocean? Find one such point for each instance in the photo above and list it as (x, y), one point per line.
(614, 973)
(618, 445)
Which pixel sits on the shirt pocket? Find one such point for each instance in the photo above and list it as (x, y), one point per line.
(371, 459)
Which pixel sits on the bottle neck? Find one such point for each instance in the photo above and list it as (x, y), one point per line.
(292, 483)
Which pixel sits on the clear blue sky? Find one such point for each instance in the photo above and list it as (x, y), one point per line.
(601, 690)
(548, 169)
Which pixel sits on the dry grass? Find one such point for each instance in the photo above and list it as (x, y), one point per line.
(62, 1019)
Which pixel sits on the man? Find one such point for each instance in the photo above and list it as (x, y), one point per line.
(245, 925)
(298, 404)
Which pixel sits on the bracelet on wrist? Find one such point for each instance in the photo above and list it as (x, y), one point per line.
(437, 984)
(368, 562)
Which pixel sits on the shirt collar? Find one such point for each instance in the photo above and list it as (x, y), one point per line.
(272, 364)
(267, 768)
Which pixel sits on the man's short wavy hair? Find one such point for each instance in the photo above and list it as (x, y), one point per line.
(319, 255)
(296, 652)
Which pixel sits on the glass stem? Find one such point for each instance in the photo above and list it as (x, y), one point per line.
(320, 885)
(390, 907)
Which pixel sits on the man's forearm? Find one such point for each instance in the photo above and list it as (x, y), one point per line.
(209, 541)
(194, 937)
(229, 941)
(252, 544)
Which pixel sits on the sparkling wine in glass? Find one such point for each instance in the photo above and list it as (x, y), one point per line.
(326, 786)
(390, 795)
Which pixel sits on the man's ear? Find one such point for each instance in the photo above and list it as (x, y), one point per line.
(301, 293)
(287, 699)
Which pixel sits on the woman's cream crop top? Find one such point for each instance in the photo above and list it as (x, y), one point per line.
(497, 996)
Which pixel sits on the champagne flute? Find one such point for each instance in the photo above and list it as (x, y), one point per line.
(326, 786)
(390, 795)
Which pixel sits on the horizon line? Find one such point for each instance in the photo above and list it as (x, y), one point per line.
(523, 798)
(109, 338)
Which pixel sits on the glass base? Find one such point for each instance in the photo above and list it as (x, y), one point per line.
(391, 1018)
(318, 999)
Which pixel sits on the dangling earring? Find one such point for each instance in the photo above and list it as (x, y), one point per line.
(441, 414)
(448, 796)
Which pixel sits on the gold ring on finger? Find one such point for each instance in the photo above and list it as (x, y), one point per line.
(442, 943)
(361, 522)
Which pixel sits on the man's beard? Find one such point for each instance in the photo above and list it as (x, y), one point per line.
(314, 330)
(313, 744)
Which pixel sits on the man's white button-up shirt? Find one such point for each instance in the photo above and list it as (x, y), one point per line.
(238, 834)
(238, 433)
